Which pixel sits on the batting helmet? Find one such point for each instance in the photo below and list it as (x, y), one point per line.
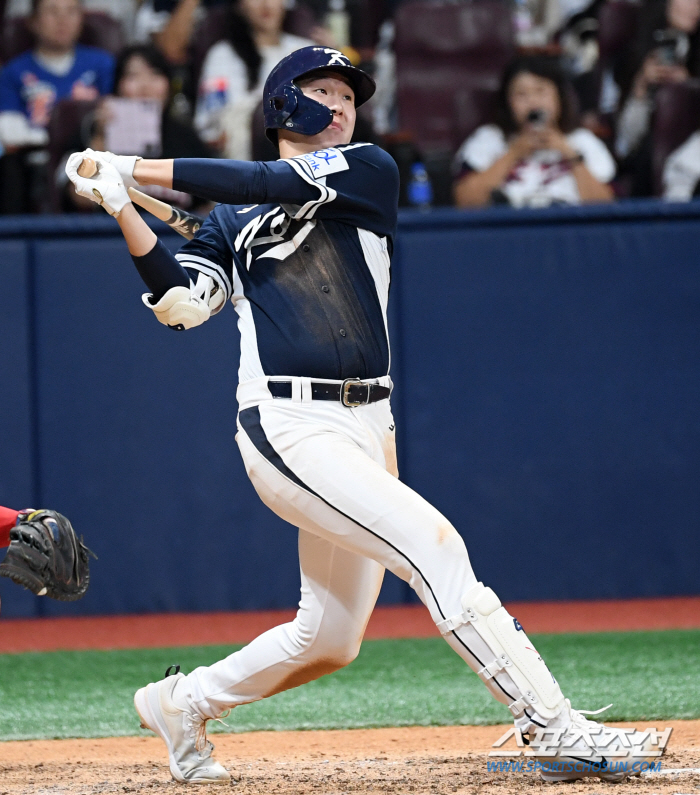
(286, 107)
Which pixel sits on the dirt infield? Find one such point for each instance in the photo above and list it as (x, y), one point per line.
(414, 760)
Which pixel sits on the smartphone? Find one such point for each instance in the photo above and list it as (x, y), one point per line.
(537, 118)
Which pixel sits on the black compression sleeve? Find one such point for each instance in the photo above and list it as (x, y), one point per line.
(160, 271)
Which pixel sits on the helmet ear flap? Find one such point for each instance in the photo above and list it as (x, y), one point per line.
(288, 108)
(282, 104)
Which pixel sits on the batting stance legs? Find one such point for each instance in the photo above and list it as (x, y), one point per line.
(330, 470)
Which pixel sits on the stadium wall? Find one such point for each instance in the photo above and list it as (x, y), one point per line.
(547, 401)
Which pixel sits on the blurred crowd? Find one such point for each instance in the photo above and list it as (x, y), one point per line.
(480, 102)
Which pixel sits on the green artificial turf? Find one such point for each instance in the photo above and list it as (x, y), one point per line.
(647, 675)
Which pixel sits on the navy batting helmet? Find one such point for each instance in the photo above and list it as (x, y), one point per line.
(286, 107)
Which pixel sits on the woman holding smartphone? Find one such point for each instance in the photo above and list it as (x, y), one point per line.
(535, 155)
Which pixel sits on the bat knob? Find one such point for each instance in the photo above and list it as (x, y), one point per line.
(88, 168)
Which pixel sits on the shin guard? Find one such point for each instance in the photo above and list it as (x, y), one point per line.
(511, 655)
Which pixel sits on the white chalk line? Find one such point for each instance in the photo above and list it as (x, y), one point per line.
(672, 771)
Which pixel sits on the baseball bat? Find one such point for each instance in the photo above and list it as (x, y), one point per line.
(183, 223)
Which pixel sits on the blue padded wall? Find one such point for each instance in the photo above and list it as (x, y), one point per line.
(16, 407)
(547, 401)
(551, 410)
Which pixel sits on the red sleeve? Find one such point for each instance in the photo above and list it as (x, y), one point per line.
(8, 519)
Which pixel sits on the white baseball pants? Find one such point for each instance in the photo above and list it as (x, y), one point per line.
(331, 471)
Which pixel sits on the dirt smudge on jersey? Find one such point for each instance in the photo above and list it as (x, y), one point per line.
(389, 450)
(445, 532)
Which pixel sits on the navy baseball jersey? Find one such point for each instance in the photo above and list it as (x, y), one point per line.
(307, 268)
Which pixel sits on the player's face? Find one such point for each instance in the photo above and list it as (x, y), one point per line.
(57, 24)
(528, 92)
(336, 94)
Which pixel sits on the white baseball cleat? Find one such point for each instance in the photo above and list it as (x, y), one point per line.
(183, 733)
(573, 747)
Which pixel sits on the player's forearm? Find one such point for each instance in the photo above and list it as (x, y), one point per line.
(139, 237)
(154, 172)
(156, 265)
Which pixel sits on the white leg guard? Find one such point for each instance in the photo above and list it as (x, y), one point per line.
(511, 666)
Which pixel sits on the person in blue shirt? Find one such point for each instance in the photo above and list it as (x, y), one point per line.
(30, 85)
(302, 247)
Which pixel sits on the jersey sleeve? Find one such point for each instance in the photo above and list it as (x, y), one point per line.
(357, 184)
(8, 519)
(595, 153)
(209, 253)
(481, 150)
(682, 170)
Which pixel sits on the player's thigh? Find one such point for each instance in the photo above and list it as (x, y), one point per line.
(339, 589)
(325, 482)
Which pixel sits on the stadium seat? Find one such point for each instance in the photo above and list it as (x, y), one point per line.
(449, 60)
(677, 116)
(67, 119)
(617, 26)
(99, 30)
(618, 21)
(366, 19)
(102, 30)
(15, 38)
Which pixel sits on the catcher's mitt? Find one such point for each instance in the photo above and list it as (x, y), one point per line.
(47, 557)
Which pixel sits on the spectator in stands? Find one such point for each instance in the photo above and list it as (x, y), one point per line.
(142, 72)
(122, 10)
(32, 83)
(681, 176)
(169, 24)
(235, 70)
(667, 50)
(535, 155)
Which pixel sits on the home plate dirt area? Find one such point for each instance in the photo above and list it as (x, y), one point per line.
(406, 760)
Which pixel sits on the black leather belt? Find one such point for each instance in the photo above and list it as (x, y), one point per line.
(350, 393)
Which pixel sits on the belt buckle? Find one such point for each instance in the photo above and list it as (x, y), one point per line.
(345, 389)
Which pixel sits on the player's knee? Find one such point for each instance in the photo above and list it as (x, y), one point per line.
(336, 652)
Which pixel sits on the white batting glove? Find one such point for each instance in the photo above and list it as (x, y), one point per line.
(106, 188)
(124, 164)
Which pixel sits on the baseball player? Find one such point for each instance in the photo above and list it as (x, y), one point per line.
(44, 554)
(302, 247)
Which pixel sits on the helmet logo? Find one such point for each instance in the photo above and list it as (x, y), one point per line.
(336, 57)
